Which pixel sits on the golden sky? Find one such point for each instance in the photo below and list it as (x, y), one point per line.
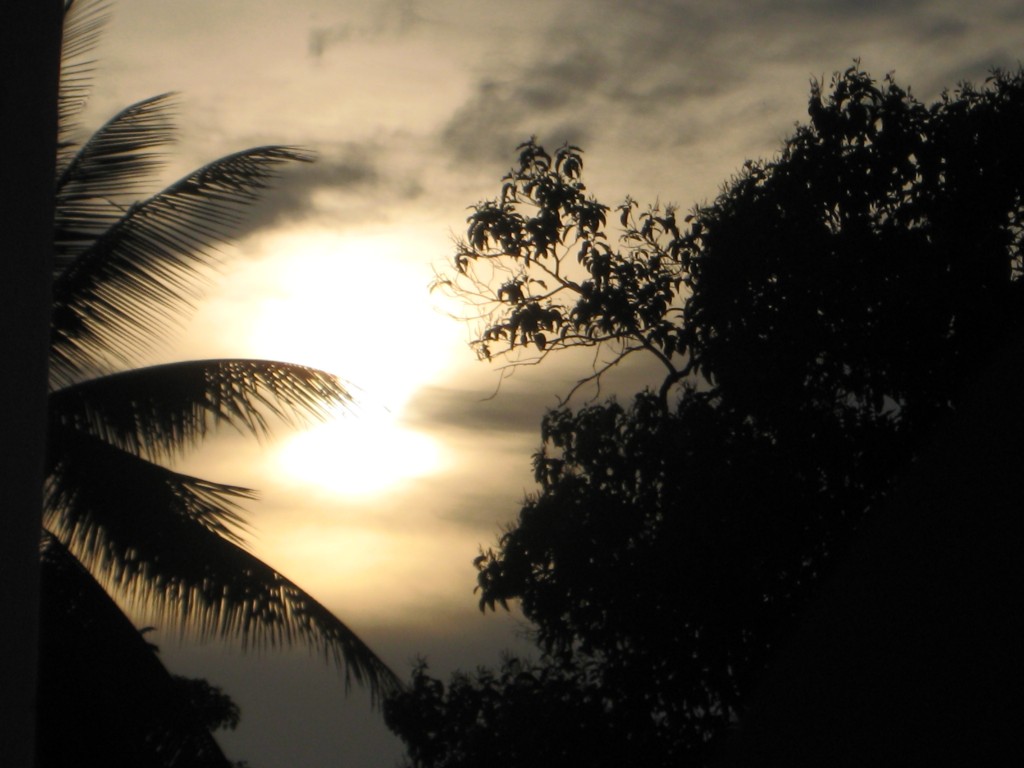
(414, 108)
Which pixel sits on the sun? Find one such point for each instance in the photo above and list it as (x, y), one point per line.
(351, 455)
(357, 306)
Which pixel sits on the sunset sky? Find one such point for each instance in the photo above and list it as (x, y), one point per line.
(415, 108)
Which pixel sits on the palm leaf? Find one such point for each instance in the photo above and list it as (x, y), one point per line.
(85, 477)
(134, 712)
(117, 297)
(110, 171)
(83, 22)
(168, 542)
(155, 412)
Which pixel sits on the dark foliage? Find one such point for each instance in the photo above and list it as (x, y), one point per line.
(815, 322)
(523, 714)
(104, 696)
(213, 707)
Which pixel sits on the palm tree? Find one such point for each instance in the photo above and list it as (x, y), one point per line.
(124, 268)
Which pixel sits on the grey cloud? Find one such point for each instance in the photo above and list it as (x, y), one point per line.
(944, 28)
(509, 412)
(1012, 12)
(638, 59)
(544, 101)
(389, 19)
(515, 412)
(636, 74)
(322, 38)
(974, 69)
(348, 168)
(483, 512)
(819, 8)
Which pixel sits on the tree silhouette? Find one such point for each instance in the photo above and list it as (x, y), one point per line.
(522, 714)
(29, 64)
(104, 696)
(815, 322)
(124, 269)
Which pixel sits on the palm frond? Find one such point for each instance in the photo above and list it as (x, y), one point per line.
(164, 541)
(83, 22)
(86, 478)
(112, 169)
(118, 296)
(133, 712)
(155, 412)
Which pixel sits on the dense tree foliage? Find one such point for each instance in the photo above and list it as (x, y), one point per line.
(126, 266)
(815, 322)
(522, 714)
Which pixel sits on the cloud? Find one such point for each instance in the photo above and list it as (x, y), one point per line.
(452, 408)
(390, 19)
(638, 63)
(345, 169)
(501, 115)
(688, 90)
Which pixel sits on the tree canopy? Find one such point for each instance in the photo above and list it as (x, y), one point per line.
(815, 322)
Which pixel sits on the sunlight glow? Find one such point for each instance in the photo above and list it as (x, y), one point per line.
(357, 306)
(356, 456)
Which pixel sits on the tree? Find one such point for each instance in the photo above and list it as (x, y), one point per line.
(29, 64)
(123, 269)
(815, 322)
(522, 714)
(104, 696)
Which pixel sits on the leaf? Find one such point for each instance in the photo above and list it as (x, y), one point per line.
(97, 185)
(170, 543)
(84, 20)
(160, 410)
(145, 271)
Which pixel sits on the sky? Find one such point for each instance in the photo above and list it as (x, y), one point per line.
(414, 108)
